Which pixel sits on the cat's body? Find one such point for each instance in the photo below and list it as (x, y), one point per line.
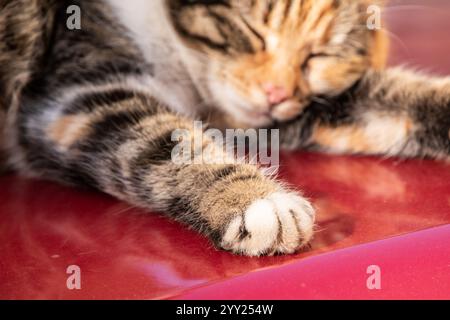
(98, 106)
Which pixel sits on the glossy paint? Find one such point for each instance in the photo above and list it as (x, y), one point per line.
(390, 213)
(131, 254)
(409, 267)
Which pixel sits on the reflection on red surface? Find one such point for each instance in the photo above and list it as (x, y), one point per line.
(127, 253)
(391, 197)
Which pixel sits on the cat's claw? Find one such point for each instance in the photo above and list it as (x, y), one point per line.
(280, 223)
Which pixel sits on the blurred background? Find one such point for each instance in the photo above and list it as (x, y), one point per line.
(420, 34)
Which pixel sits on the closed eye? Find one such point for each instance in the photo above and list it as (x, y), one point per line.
(317, 55)
(312, 56)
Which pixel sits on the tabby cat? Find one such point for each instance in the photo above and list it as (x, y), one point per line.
(97, 106)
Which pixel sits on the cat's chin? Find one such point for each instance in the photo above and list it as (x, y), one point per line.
(256, 120)
(283, 112)
(287, 111)
(238, 118)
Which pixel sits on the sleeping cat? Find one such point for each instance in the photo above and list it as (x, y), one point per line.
(97, 106)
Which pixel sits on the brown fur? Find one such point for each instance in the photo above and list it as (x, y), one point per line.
(81, 107)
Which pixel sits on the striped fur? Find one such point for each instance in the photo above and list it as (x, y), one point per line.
(97, 107)
(393, 113)
(306, 47)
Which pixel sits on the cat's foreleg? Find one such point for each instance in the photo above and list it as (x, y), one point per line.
(121, 142)
(393, 112)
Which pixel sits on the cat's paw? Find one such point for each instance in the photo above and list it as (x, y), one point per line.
(280, 223)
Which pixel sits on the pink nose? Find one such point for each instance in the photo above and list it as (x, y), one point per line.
(275, 94)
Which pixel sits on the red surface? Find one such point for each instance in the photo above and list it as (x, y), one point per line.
(376, 212)
(405, 264)
(124, 253)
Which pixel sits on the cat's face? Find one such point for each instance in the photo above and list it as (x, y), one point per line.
(264, 60)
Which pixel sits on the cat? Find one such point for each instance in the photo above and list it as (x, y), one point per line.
(97, 106)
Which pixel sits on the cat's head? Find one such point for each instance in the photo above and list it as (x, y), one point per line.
(263, 60)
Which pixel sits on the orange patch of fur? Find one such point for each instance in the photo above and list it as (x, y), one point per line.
(69, 129)
(379, 50)
(281, 65)
(348, 138)
(262, 67)
(359, 139)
